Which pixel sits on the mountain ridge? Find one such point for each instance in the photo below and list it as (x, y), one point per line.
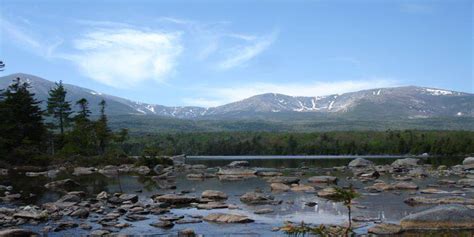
(400, 102)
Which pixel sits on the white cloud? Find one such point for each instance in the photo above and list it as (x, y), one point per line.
(123, 57)
(241, 54)
(223, 95)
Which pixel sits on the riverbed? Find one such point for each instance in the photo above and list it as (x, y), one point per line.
(387, 206)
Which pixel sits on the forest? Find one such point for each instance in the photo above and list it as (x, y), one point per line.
(65, 132)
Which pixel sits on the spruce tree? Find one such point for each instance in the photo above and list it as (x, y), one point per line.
(103, 132)
(22, 130)
(59, 108)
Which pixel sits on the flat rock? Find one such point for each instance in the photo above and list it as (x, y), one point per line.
(236, 171)
(256, 198)
(238, 164)
(214, 194)
(284, 179)
(16, 232)
(440, 217)
(279, 187)
(227, 218)
(328, 192)
(176, 199)
(62, 184)
(129, 197)
(466, 182)
(322, 179)
(84, 171)
(263, 211)
(385, 229)
(163, 224)
(212, 205)
(417, 200)
(302, 188)
(269, 173)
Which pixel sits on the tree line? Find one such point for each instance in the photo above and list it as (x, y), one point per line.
(317, 143)
(28, 132)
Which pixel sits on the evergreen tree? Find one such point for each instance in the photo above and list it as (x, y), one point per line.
(102, 130)
(59, 108)
(22, 130)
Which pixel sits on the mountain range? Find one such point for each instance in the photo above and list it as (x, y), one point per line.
(395, 103)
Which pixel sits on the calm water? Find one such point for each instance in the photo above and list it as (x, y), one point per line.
(387, 206)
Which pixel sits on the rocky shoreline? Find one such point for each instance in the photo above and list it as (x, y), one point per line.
(114, 212)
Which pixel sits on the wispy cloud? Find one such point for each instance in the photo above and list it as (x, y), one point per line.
(223, 95)
(416, 8)
(26, 39)
(123, 57)
(240, 54)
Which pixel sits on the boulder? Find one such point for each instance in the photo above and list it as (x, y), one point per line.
(416, 200)
(269, 173)
(406, 163)
(212, 205)
(322, 179)
(284, 180)
(466, 182)
(279, 187)
(227, 218)
(186, 233)
(80, 212)
(468, 161)
(129, 197)
(256, 198)
(328, 192)
(16, 232)
(239, 164)
(440, 217)
(176, 199)
(163, 224)
(84, 171)
(360, 163)
(301, 188)
(237, 171)
(404, 185)
(214, 194)
(102, 195)
(31, 214)
(385, 229)
(142, 170)
(64, 184)
(99, 233)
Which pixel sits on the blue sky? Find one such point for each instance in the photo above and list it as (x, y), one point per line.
(208, 53)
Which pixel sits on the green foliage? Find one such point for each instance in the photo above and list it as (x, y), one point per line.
(318, 143)
(22, 131)
(345, 195)
(59, 108)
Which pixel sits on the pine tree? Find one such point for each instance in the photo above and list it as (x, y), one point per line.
(59, 108)
(22, 130)
(102, 130)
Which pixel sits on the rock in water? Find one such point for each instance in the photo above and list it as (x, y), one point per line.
(227, 218)
(279, 187)
(61, 184)
(238, 164)
(440, 217)
(322, 179)
(256, 198)
(214, 194)
(406, 163)
(176, 199)
(360, 163)
(385, 229)
(17, 233)
(468, 163)
(284, 180)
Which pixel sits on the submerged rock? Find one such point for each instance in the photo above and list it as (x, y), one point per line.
(64, 184)
(163, 224)
(269, 173)
(227, 218)
(284, 179)
(440, 217)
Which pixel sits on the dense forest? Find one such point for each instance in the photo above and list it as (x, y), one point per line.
(319, 143)
(65, 132)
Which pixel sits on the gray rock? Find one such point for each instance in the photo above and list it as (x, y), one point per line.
(69, 198)
(360, 163)
(279, 187)
(385, 229)
(440, 217)
(99, 232)
(406, 163)
(417, 200)
(284, 180)
(212, 205)
(227, 218)
(186, 233)
(158, 169)
(263, 211)
(176, 199)
(237, 171)
(163, 224)
(214, 194)
(84, 171)
(102, 195)
(256, 198)
(238, 164)
(322, 179)
(466, 182)
(16, 232)
(62, 184)
(129, 197)
(468, 161)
